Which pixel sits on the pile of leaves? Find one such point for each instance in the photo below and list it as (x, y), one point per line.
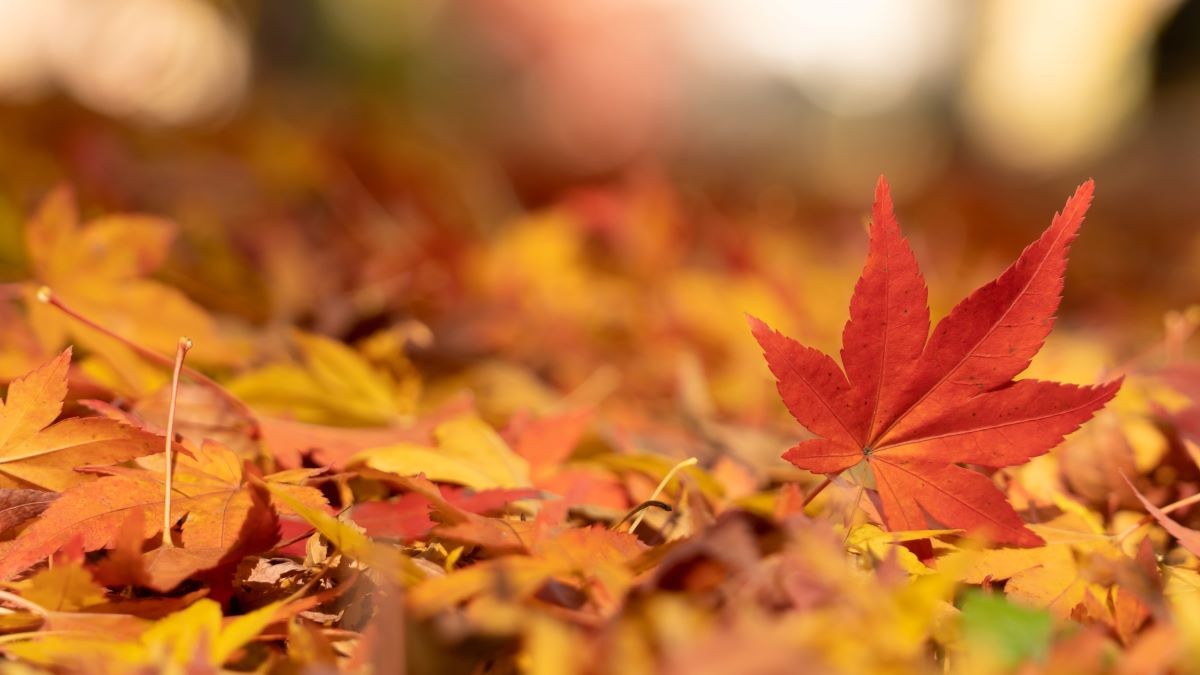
(555, 448)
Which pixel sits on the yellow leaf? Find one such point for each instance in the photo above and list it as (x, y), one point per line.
(870, 539)
(178, 643)
(551, 648)
(349, 540)
(468, 452)
(657, 467)
(181, 637)
(1054, 576)
(333, 385)
(65, 587)
(99, 269)
(518, 576)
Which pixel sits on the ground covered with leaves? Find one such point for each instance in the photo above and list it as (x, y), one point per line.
(403, 443)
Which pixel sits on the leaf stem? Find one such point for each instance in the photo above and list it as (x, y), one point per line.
(850, 513)
(1147, 519)
(638, 509)
(690, 461)
(180, 353)
(819, 489)
(24, 603)
(47, 296)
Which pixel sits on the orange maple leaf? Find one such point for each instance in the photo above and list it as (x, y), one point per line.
(226, 515)
(37, 452)
(912, 411)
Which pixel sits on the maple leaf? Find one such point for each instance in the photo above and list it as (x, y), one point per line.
(65, 587)
(349, 540)
(407, 518)
(547, 443)
(912, 411)
(99, 269)
(36, 451)
(195, 639)
(334, 385)
(226, 516)
(597, 556)
(291, 442)
(468, 452)
(18, 506)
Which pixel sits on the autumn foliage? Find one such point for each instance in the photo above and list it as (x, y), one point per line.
(914, 411)
(555, 448)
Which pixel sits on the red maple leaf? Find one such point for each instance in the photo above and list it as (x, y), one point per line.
(912, 411)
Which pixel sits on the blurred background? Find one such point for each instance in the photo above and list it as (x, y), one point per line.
(515, 176)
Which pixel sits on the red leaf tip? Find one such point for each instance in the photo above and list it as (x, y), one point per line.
(756, 324)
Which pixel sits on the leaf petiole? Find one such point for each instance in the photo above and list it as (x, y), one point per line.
(662, 485)
(1121, 536)
(180, 353)
(47, 296)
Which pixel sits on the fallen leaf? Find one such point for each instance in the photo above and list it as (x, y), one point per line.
(224, 515)
(37, 451)
(351, 541)
(99, 269)
(333, 384)
(18, 506)
(407, 517)
(65, 587)
(907, 412)
(467, 452)
(292, 442)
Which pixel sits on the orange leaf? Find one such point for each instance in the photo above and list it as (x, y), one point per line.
(35, 451)
(225, 516)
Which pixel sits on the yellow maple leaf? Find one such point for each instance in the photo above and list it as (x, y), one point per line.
(99, 269)
(333, 385)
(468, 452)
(194, 637)
(65, 587)
(1055, 576)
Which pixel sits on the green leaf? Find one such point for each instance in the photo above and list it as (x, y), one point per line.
(1013, 634)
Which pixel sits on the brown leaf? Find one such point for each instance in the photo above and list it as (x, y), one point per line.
(18, 506)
